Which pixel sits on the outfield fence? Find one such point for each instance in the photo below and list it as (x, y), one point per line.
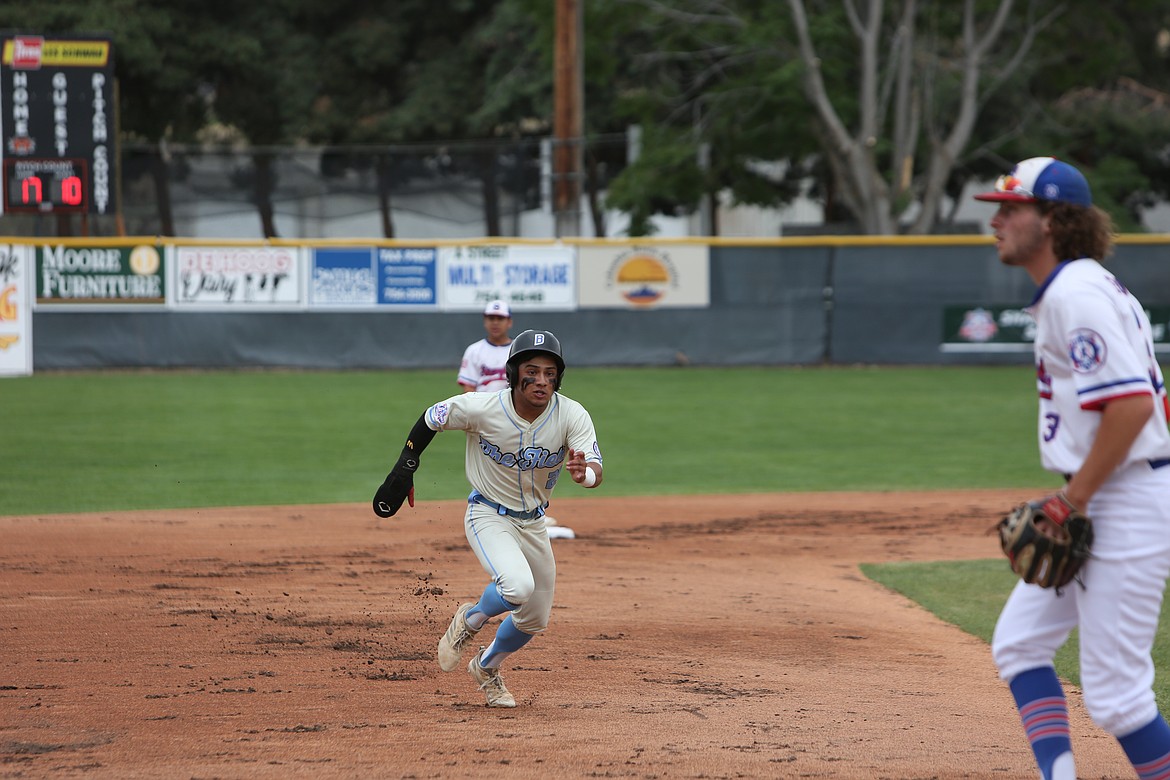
(154, 302)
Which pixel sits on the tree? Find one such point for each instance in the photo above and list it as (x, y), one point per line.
(719, 107)
(412, 71)
(924, 71)
(1093, 91)
(883, 111)
(365, 49)
(259, 60)
(158, 84)
(890, 97)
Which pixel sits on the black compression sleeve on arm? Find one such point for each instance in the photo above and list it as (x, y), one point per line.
(420, 436)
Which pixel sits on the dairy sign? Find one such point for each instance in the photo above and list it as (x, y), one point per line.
(528, 277)
(15, 310)
(78, 274)
(238, 277)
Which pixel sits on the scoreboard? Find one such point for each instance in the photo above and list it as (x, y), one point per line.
(57, 125)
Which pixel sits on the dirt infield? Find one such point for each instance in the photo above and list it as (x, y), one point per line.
(693, 637)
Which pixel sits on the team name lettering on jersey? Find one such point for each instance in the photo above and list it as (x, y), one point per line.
(488, 374)
(526, 460)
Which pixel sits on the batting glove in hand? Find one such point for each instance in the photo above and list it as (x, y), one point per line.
(1047, 541)
(398, 487)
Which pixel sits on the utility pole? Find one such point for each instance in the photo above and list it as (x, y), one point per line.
(568, 116)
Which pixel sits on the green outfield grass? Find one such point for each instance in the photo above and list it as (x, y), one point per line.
(137, 440)
(970, 594)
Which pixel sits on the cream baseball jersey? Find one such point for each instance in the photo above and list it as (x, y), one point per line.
(1093, 345)
(483, 366)
(509, 460)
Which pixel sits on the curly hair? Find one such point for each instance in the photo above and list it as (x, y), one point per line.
(1078, 231)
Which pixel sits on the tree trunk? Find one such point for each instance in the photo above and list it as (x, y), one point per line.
(382, 166)
(264, 184)
(491, 193)
(162, 192)
(592, 186)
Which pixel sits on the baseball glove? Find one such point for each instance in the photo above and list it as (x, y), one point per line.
(1047, 541)
(398, 487)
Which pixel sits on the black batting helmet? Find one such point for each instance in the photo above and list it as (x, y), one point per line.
(528, 343)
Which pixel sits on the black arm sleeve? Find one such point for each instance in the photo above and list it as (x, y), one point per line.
(420, 436)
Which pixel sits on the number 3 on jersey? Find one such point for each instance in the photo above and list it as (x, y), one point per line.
(1052, 422)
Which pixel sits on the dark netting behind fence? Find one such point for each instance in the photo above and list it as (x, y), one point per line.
(496, 188)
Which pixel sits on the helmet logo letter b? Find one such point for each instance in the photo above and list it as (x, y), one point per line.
(538, 339)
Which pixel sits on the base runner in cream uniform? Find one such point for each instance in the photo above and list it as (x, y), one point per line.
(520, 441)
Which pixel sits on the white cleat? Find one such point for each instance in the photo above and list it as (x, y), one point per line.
(457, 636)
(491, 684)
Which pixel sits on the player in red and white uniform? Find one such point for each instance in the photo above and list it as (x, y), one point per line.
(482, 368)
(1103, 428)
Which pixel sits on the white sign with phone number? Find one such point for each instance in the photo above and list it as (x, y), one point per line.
(527, 277)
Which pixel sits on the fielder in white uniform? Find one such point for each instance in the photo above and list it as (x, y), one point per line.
(1103, 427)
(520, 442)
(482, 367)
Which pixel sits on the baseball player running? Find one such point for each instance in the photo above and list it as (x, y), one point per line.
(482, 368)
(1102, 426)
(519, 441)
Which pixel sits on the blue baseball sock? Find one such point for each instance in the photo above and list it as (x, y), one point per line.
(491, 603)
(1148, 749)
(1044, 713)
(508, 640)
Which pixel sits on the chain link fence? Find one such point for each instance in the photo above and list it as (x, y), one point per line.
(448, 190)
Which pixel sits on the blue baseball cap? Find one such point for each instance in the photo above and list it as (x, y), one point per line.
(1041, 178)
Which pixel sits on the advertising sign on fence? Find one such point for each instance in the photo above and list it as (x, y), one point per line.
(237, 277)
(998, 329)
(528, 277)
(408, 277)
(15, 310)
(343, 277)
(100, 274)
(645, 277)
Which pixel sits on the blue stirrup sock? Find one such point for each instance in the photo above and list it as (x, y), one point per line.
(1148, 749)
(1044, 713)
(490, 604)
(508, 640)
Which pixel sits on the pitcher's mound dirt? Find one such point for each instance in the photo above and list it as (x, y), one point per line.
(693, 637)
